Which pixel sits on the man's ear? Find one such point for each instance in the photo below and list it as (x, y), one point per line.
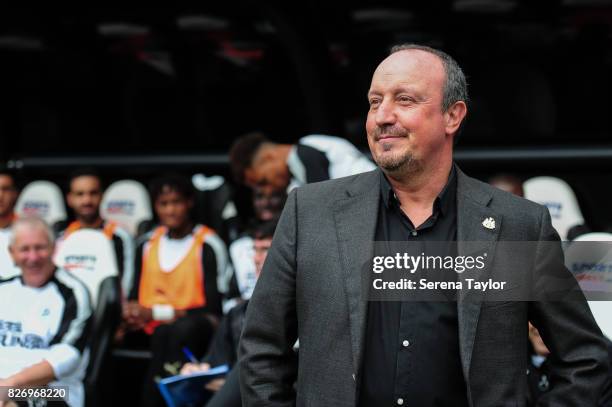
(11, 249)
(454, 115)
(69, 200)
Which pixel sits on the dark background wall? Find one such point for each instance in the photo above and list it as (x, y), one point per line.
(81, 84)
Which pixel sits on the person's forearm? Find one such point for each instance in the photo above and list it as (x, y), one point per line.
(36, 375)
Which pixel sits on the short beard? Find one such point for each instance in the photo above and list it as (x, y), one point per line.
(399, 164)
(90, 218)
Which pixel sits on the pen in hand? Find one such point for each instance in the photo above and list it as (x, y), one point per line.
(190, 356)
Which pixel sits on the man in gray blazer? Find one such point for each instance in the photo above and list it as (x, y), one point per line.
(358, 352)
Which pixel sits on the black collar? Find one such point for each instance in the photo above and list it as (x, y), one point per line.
(444, 200)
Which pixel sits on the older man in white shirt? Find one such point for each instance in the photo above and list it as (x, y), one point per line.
(44, 316)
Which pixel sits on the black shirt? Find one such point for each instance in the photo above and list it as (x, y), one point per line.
(411, 355)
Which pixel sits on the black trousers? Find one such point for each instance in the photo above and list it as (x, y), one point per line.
(192, 331)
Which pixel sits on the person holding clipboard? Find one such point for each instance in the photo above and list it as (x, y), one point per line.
(223, 350)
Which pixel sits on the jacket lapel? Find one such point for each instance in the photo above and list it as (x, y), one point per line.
(476, 234)
(356, 215)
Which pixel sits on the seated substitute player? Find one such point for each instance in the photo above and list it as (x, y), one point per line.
(175, 298)
(224, 347)
(84, 198)
(267, 206)
(44, 315)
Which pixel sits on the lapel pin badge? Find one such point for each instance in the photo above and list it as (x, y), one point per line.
(489, 223)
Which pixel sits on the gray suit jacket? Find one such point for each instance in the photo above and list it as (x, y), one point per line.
(310, 288)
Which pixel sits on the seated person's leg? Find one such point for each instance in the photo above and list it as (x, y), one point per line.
(167, 342)
(159, 348)
(194, 332)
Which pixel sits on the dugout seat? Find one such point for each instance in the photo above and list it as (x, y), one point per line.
(43, 199)
(559, 198)
(589, 258)
(88, 254)
(127, 202)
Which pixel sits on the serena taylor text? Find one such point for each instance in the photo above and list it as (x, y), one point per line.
(424, 284)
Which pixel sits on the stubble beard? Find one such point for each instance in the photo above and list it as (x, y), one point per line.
(399, 163)
(402, 162)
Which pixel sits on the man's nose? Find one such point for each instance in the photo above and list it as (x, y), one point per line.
(170, 211)
(33, 256)
(385, 114)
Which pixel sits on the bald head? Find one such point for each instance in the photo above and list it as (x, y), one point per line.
(455, 84)
(415, 70)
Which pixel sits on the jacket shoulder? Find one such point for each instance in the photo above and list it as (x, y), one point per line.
(340, 186)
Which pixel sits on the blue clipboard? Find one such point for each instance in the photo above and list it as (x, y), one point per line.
(188, 390)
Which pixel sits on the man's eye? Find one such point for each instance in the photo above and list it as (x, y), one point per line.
(405, 99)
(374, 102)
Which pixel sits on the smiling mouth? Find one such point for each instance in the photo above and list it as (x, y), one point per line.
(387, 138)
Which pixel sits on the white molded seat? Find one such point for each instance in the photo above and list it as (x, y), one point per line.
(559, 198)
(43, 199)
(89, 255)
(591, 263)
(127, 203)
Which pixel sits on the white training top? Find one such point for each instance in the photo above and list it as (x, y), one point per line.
(45, 323)
(344, 158)
(242, 254)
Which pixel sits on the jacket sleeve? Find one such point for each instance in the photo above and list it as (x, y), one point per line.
(579, 358)
(268, 364)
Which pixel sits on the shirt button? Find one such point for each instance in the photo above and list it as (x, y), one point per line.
(400, 401)
(414, 233)
(406, 343)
